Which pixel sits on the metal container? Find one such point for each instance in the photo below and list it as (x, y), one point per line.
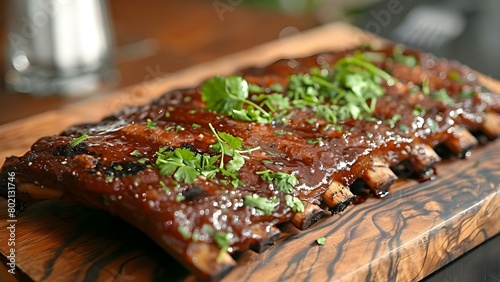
(58, 46)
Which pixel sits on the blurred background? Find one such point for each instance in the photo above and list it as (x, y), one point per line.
(57, 52)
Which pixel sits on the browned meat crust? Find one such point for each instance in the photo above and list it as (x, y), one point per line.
(431, 101)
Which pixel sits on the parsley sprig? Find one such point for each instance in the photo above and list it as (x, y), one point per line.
(262, 205)
(185, 165)
(283, 181)
(228, 145)
(228, 95)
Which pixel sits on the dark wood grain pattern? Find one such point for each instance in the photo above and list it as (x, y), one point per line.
(415, 230)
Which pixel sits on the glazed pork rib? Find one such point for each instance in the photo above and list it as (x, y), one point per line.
(210, 171)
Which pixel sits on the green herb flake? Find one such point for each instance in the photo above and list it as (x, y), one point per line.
(404, 128)
(110, 178)
(167, 114)
(394, 119)
(143, 160)
(136, 153)
(117, 167)
(294, 203)
(184, 231)
(179, 198)
(179, 128)
(164, 187)
(78, 140)
(255, 88)
(418, 110)
(455, 76)
(223, 240)
(277, 87)
(192, 112)
(228, 95)
(187, 99)
(407, 60)
(150, 124)
(284, 182)
(321, 241)
(314, 141)
(311, 120)
(262, 205)
(443, 97)
(195, 126)
(425, 87)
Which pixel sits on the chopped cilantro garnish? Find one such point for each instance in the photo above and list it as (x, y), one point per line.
(408, 60)
(136, 153)
(262, 205)
(78, 140)
(404, 128)
(228, 95)
(195, 126)
(425, 87)
(223, 240)
(184, 231)
(294, 203)
(393, 120)
(321, 241)
(314, 141)
(185, 165)
(167, 114)
(179, 128)
(283, 181)
(443, 97)
(150, 124)
(418, 110)
(179, 198)
(277, 87)
(164, 187)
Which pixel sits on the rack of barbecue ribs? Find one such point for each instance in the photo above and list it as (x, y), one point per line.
(210, 171)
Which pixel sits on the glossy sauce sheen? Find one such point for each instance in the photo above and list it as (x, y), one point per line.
(345, 151)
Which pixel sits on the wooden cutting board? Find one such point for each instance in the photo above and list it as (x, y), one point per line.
(414, 231)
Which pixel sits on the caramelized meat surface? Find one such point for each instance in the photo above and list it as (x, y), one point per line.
(206, 178)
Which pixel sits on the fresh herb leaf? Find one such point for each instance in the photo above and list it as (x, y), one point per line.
(150, 124)
(314, 141)
(418, 110)
(408, 60)
(223, 240)
(254, 88)
(294, 203)
(78, 140)
(321, 241)
(277, 87)
(228, 95)
(262, 205)
(283, 181)
(136, 153)
(394, 119)
(184, 231)
(442, 96)
(404, 128)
